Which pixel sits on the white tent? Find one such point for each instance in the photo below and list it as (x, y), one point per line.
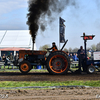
(16, 38)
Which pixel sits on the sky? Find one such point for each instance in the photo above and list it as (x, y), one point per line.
(83, 17)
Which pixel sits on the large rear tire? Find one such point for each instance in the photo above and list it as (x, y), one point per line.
(25, 67)
(58, 63)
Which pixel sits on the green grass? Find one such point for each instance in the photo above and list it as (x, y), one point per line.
(48, 83)
(39, 70)
(10, 69)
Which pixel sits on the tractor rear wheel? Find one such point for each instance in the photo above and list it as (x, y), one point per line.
(25, 67)
(58, 63)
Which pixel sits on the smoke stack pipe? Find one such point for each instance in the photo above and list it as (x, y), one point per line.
(32, 42)
(32, 45)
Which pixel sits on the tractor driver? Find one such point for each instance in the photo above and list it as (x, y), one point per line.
(53, 48)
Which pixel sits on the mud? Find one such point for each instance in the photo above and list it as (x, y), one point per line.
(45, 76)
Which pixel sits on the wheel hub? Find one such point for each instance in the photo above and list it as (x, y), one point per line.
(91, 70)
(24, 66)
(57, 64)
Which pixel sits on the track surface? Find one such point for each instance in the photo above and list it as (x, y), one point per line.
(49, 94)
(53, 94)
(45, 76)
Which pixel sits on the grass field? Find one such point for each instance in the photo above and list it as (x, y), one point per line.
(49, 83)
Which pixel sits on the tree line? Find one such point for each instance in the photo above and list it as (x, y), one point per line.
(93, 47)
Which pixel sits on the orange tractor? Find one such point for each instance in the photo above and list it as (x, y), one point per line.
(56, 62)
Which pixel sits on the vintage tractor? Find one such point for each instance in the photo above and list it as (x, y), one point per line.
(56, 62)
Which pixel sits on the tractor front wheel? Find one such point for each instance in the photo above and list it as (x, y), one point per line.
(25, 67)
(91, 69)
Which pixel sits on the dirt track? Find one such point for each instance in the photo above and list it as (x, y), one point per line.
(53, 94)
(45, 76)
(50, 94)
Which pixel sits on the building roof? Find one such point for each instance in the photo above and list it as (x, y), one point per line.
(13, 49)
(15, 39)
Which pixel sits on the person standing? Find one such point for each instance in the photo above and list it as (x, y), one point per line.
(4, 59)
(16, 59)
(81, 56)
(11, 58)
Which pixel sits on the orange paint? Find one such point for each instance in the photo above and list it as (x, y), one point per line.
(24, 67)
(22, 53)
(58, 63)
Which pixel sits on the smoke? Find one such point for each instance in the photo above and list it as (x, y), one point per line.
(39, 9)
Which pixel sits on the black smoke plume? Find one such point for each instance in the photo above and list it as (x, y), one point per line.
(41, 8)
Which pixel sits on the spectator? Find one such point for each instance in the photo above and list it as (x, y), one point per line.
(71, 57)
(16, 59)
(68, 54)
(0, 59)
(11, 58)
(3, 57)
(75, 58)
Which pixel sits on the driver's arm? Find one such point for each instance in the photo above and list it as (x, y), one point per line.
(50, 48)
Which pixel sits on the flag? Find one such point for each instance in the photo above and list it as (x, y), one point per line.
(62, 30)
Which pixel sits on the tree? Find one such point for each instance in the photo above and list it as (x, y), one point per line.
(88, 49)
(98, 47)
(66, 50)
(70, 49)
(43, 47)
(75, 49)
(93, 47)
